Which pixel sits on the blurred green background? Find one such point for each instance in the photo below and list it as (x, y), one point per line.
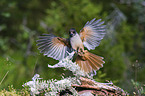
(22, 21)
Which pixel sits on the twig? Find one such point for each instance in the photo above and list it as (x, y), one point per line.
(35, 66)
(4, 77)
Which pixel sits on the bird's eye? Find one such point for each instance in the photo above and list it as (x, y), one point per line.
(73, 31)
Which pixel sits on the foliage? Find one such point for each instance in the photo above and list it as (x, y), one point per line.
(21, 23)
(138, 88)
(14, 92)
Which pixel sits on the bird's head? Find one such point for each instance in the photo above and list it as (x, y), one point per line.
(72, 32)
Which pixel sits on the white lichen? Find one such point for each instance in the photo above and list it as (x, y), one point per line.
(51, 87)
(72, 66)
(55, 87)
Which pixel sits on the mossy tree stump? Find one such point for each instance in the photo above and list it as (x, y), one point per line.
(90, 87)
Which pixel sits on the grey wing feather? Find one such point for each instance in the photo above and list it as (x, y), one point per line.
(92, 33)
(53, 47)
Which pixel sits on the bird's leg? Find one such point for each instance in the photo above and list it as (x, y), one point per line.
(81, 52)
(75, 50)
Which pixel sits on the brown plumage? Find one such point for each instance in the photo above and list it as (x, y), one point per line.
(90, 36)
(89, 62)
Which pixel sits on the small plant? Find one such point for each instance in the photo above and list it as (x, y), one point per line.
(14, 92)
(139, 88)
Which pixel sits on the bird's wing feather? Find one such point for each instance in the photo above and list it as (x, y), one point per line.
(53, 46)
(92, 33)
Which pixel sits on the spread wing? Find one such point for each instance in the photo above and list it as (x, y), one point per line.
(53, 46)
(92, 33)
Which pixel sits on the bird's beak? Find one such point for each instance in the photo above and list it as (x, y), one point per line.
(71, 34)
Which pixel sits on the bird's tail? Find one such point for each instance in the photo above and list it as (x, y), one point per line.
(89, 62)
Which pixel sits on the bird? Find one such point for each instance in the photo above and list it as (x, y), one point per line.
(89, 36)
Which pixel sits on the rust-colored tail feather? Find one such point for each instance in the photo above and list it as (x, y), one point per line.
(89, 62)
